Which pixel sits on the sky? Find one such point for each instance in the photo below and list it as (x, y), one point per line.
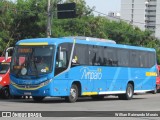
(103, 6)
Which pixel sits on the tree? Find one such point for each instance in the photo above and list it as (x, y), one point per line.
(6, 22)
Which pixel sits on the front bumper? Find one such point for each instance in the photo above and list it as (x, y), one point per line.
(44, 91)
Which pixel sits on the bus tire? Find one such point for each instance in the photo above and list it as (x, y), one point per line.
(73, 94)
(121, 97)
(129, 92)
(5, 93)
(38, 98)
(155, 90)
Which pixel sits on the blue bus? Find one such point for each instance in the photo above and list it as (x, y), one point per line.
(70, 67)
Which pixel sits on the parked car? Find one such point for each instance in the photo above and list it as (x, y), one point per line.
(158, 79)
(4, 77)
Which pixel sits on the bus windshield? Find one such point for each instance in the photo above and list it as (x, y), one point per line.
(32, 60)
(4, 67)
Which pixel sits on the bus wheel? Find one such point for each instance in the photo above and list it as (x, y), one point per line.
(38, 98)
(5, 93)
(73, 94)
(121, 97)
(155, 90)
(129, 92)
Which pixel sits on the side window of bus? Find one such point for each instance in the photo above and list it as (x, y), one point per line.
(123, 57)
(96, 55)
(152, 58)
(61, 62)
(143, 56)
(100, 56)
(93, 55)
(110, 56)
(134, 59)
(62, 57)
(80, 56)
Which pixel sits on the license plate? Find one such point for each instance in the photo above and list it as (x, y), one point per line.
(27, 93)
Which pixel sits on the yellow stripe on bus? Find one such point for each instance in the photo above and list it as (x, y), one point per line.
(38, 43)
(27, 88)
(151, 74)
(90, 93)
(20, 88)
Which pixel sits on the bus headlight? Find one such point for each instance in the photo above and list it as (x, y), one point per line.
(45, 82)
(13, 83)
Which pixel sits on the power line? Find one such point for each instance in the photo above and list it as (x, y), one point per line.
(121, 18)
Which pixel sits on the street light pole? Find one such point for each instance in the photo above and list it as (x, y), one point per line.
(49, 19)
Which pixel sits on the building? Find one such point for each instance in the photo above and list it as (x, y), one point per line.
(157, 32)
(114, 16)
(142, 13)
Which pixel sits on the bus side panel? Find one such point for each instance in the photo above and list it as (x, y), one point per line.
(142, 81)
(60, 86)
(103, 80)
(63, 81)
(98, 79)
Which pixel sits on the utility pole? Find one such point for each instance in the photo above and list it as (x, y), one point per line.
(49, 19)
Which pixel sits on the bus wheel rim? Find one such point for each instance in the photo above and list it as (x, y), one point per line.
(73, 93)
(129, 92)
(6, 93)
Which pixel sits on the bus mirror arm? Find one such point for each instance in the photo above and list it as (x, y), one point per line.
(6, 55)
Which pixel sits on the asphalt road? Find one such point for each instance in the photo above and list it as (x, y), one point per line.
(143, 102)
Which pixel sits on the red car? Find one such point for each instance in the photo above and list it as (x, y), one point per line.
(4, 77)
(158, 79)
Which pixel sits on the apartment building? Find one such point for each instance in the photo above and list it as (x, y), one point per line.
(142, 13)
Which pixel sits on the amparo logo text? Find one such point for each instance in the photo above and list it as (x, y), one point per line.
(91, 74)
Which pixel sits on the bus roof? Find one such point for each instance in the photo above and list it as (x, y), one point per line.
(81, 40)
